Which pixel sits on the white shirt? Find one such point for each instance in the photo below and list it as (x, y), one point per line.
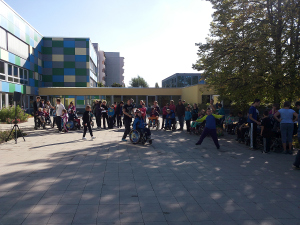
(59, 109)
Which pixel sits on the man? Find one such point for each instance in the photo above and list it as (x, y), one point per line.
(119, 113)
(180, 110)
(241, 127)
(132, 103)
(36, 105)
(128, 112)
(172, 106)
(97, 114)
(211, 106)
(252, 120)
(59, 108)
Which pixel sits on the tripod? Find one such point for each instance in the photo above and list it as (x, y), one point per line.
(15, 127)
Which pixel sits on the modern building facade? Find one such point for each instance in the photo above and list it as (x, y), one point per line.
(101, 64)
(182, 80)
(114, 68)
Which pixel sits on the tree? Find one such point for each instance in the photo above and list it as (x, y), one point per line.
(156, 85)
(138, 82)
(100, 84)
(116, 85)
(253, 50)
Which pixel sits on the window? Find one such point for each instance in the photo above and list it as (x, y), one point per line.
(194, 80)
(3, 42)
(2, 71)
(92, 67)
(10, 70)
(23, 76)
(17, 46)
(16, 73)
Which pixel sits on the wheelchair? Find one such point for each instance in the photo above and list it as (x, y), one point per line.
(155, 125)
(38, 123)
(137, 136)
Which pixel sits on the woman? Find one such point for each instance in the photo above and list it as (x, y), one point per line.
(71, 106)
(165, 113)
(286, 125)
(48, 106)
(195, 112)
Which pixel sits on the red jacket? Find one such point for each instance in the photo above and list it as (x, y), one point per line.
(165, 110)
(172, 107)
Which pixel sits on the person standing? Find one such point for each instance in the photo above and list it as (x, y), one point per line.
(286, 125)
(172, 106)
(266, 131)
(119, 113)
(212, 107)
(165, 113)
(180, 110)
(87, 120)
(59, 111)
(195, 112)
(127, 111)
(36, 105)
(97, 114)
(253, 122)
(188, 117)
(104, 113)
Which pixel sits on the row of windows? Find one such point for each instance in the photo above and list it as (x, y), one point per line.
(13, 73)
(92, 67)
(182, 81)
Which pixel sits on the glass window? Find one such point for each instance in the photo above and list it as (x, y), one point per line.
(16, 74)
(17, 46)
(188, 81)
(180, 81)
(10, 70)
(176, 98)
(21, 73)
(10, 79)
(2, 67)
(25, 74)
(3, 39)
(17, 80)
(2, 77)
(163, 100)
(117, 98)
(194, 80)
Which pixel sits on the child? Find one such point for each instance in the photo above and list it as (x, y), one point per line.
(65, 118)
(210, 127)
(143, 111)
(188, 117)
(111, 113)
(104, 113)
(170, 119)
(139, 124)
(154, 114)
(87, 120)
(165, 113)
(41, 117)
(229, 123)
(266, 131)
(72, 115)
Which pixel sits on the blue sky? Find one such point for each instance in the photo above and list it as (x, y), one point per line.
(157, 37)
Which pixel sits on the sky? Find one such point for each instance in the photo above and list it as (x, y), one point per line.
(157, 38)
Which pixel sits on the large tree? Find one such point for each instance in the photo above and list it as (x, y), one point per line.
(138, 82)
(253, 50)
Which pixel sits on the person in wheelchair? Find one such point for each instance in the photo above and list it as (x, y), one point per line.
(47, 116)
(170, 120)
(41, 118)
(140, 125)
(229, 123)
(153, 117)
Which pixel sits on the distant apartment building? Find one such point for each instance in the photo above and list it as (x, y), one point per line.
(182, 80)
(101, 63)
(114, 68)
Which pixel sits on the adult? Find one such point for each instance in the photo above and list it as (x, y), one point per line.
(286, 125)
(141, 104)
(97, 114)
(59, 111)
(165, 113)
(36, 105)
(72, 107)
(155, 106)
(104, 111)
(132, 103)
(128, 112)
(195, 111)
(180, 110)
(211, 106)
(241, 127)
(172, 106)
(221, 109)
(48, 106)
(253, 122)
(274, 109)
(119, 113)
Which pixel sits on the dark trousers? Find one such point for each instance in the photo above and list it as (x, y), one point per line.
(119, 121)
(58, 122)
(253, 132)
(241, 133)
(35, 120)
(114, 119)
(146, 131)
(267, 144)
(88, 126)
(98, 120)
(181, 120)
(188, 125)
(170, 123)
(105, 119)
(111, 122)
(163, 121)
(127, 123)
(212, 133)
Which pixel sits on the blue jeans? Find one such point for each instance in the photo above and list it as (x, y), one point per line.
(287, 132)
(181, 120)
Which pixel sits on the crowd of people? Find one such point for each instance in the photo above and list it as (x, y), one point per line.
(116, 115)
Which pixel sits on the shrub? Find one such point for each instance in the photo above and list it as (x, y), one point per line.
(8, 115)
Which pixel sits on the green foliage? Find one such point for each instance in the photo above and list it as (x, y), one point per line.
(4, 135)
(116, 85)
(8, 114)
(253, 51)
(100, 84)
(156, 85)
(138, 82)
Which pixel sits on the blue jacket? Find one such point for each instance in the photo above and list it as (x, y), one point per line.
(171, 115)
(188, 115)
(138, 123)
(111, 112)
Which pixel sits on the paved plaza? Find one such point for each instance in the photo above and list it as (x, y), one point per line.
(59, 179)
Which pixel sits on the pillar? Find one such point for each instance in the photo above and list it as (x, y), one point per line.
(6, 100)
(0, 100)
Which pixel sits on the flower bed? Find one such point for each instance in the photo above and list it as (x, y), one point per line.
(7, 115)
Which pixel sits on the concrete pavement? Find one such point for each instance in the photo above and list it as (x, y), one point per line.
(59, 179)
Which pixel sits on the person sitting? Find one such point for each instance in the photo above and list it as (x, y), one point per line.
(153, 117)
(140, 125)
(41, 117)
(72, 115)
(111, 113)
(241, 127)
(47, 115)
(71, 107)
(229, 126)
(170, 120)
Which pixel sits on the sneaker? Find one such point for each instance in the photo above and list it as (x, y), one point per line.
(84, 138)
(92, 138)
(296, 167)
(124, 139)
